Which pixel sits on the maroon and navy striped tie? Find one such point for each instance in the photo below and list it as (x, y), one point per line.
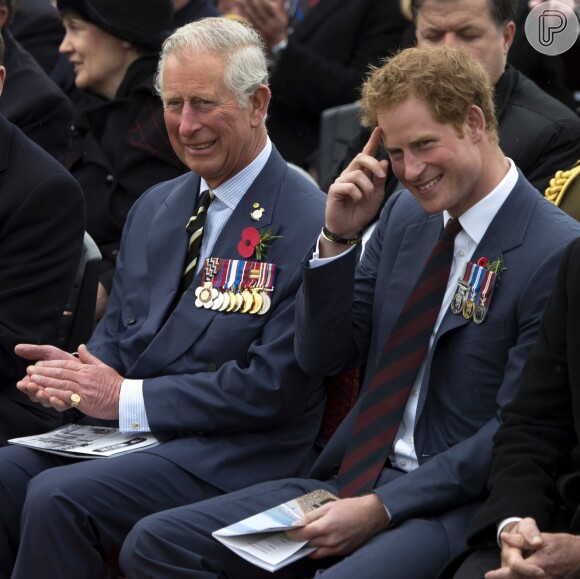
(386, 396)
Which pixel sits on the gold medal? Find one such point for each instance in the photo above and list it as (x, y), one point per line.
(248, 301)
(258, 302)
(232, 303)
(468, 309)
(239, 302)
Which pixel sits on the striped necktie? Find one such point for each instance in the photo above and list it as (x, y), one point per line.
(195, 227)
(384, 401)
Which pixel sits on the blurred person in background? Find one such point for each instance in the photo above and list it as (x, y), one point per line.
(119, 143)
(31, 100)
(320, 51)
(41, 236)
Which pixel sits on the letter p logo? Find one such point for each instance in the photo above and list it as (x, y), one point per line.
(552, 27)
(550, 23)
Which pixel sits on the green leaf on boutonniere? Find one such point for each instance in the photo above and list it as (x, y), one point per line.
(497, 266)
(265, 238)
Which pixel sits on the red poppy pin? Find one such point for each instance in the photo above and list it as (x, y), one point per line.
(255, 241)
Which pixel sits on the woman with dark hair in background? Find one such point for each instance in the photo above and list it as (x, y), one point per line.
(119, 142)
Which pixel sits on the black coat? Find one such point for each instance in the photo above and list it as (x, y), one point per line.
(41, 234)
(537, 450)
(33, 102)
(120, 148)
(323, 66)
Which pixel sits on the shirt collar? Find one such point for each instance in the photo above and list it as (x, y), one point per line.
(477, 219)
(230, 192)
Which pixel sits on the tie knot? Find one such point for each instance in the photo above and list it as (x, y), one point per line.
(206, 198)
(451, 230)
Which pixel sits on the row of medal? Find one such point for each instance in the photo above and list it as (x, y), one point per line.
(236, 285)
(474, 290)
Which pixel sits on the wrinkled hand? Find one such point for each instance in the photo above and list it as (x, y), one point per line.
(356, 195)
(268, 16)
(34, 352)
(340, 527)
(54, 379)
(518, 540)
(558, 557)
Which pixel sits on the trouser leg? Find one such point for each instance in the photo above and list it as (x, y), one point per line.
(18, 466)
(76, 517)
(178, 543)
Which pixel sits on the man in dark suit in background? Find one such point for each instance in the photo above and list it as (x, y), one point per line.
(41, 236)
(455, 334)
(534, 502)
(32, 101)
(206, 364)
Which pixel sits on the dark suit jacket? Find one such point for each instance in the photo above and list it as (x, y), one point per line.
(41, 236)
(537, 451)
(471, 370)
(33, 102)
(226, 385)
(323, 66)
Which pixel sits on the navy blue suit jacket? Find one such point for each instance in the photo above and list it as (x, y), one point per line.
(225, 387)
(472, 370)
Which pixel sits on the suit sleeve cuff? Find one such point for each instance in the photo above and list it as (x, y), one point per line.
(502, 524)
(132, 413)
(317, 261)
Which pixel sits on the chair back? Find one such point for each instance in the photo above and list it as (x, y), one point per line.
(77, 322)
(338, 126)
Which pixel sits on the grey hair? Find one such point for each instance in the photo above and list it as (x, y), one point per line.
(240, 45)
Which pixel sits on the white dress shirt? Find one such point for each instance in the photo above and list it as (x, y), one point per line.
(474, 222)
(132, 413)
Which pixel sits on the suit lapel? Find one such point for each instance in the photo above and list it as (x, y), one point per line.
(187, 322)
(5, 143)
(505, 233)
(166, 260)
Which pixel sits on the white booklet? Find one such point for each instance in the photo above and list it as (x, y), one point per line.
(83, 441)
(261, 539)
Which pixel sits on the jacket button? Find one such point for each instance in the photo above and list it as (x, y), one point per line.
(211, 367)
(130, 321)
(110, 178)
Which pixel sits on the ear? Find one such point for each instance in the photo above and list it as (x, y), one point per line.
(509, 31)
(259, 102)
(475, 123)
(2, 77)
